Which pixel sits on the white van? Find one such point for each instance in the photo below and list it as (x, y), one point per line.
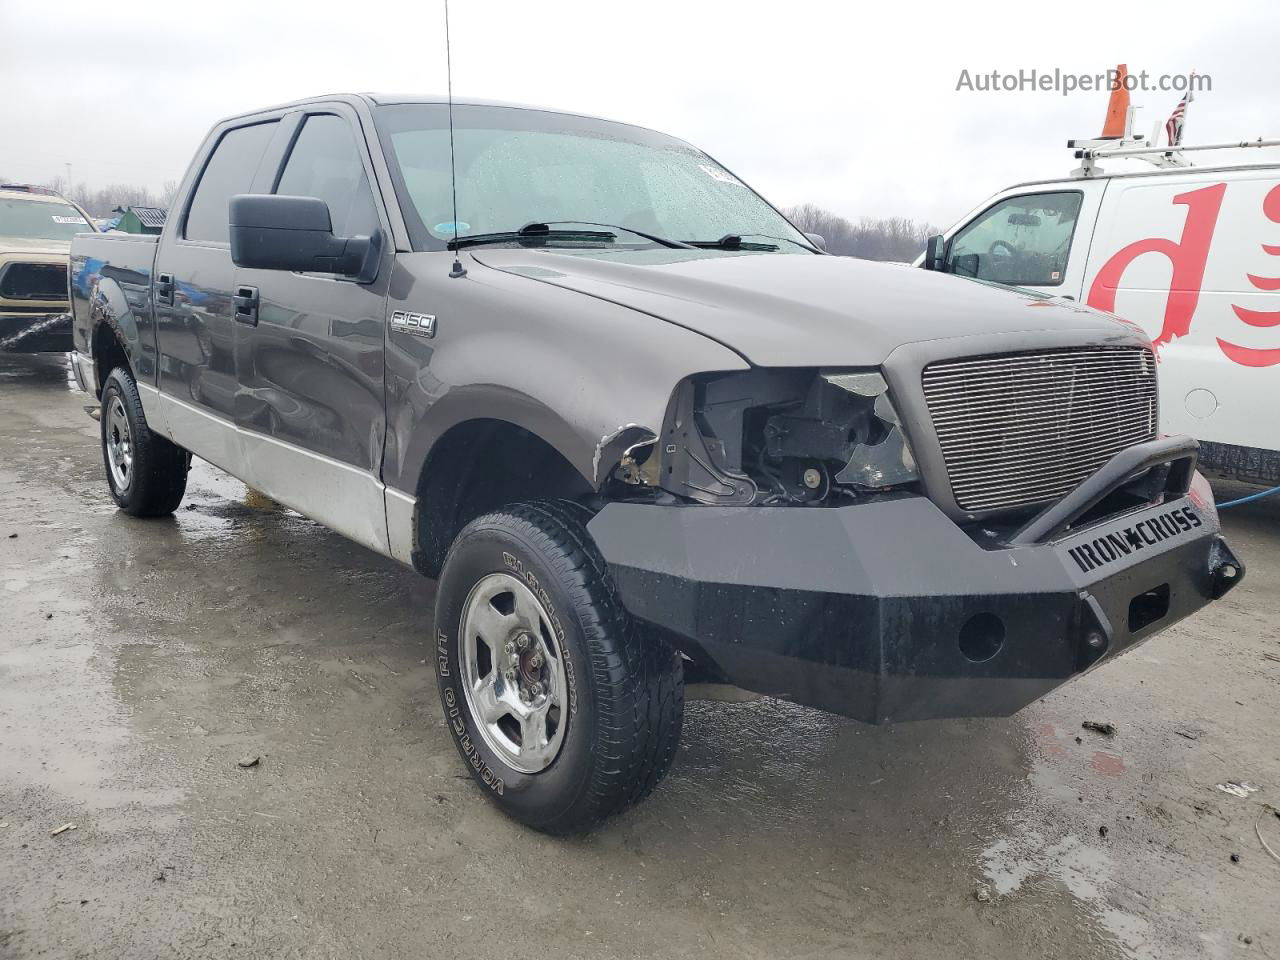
(1191, 254)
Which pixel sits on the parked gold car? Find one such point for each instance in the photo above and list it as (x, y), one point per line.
(35, 244)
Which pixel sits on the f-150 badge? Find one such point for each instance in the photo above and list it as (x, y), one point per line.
(419, 324)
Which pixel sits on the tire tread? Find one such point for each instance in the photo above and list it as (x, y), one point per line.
(160, 477)
(638, 679)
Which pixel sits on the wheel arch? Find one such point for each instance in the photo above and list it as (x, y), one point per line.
(115, 337)
(477, 465)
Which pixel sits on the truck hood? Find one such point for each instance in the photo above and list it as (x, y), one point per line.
(801, 310)
(40, 247)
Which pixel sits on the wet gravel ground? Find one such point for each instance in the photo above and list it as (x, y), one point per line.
(140, 660)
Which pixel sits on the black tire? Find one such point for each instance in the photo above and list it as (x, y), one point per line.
(156, 478)
(626, 692)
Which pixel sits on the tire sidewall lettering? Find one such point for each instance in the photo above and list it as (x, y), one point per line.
(523, 571)
(454, 720)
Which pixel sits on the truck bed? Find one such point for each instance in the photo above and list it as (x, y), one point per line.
(125, 258)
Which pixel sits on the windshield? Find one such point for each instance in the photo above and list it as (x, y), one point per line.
(40, 219)
(518, 166)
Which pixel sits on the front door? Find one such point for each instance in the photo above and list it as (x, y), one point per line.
(309, 349)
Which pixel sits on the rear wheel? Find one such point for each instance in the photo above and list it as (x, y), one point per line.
(146, 472)
(560, 709)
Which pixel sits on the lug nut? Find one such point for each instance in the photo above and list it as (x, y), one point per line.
(509, 648)
(522, 641)
(536, 660)
(535, 689)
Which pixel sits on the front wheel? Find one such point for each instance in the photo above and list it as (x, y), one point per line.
(147, 473)
(561, 710)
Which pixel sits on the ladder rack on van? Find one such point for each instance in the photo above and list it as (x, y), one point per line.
(1088, 152)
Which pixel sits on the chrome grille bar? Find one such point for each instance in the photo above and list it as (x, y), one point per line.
(1020, 429)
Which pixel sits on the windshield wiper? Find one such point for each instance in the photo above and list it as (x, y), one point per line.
(733, 241)
(533, 234)
(539, 231)
(663, 241)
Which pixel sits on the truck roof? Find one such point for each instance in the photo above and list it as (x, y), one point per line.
(385, 99)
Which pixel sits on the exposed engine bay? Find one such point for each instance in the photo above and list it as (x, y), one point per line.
(773, 437)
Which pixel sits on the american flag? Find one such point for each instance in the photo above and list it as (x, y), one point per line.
(1173, 126)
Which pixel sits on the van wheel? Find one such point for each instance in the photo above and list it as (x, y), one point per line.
(562, 712)
(146, 472)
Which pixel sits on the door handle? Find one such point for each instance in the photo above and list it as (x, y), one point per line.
(164, 289)
(246, 303)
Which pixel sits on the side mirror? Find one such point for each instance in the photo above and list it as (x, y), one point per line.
(935, 253)
(818, 240)
(295, 233)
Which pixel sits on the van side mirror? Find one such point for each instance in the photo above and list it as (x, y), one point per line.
(271, 232)
(935, 253)
(818, 240)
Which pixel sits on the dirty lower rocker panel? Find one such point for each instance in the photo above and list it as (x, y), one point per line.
(888, 611)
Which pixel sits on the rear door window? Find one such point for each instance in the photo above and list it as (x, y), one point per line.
(1020, 241)
(229, 171)
(325, 163)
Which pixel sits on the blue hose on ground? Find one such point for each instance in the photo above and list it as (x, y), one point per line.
(1248, 499)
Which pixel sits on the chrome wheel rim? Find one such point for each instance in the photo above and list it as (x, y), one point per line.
(119, 444)
(513, 676)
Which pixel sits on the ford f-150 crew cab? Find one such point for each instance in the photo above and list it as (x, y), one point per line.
(638, 424)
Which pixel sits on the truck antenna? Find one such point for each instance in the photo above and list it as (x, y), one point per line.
(458, 269)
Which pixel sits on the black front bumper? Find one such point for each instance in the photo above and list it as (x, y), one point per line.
(888, 611)
(35, 332)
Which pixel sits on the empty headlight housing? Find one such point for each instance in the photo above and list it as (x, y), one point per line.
(783, 436)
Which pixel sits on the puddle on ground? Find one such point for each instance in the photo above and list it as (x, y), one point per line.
(1032, 852)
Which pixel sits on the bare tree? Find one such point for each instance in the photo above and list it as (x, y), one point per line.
(103, 201)
(871, 238)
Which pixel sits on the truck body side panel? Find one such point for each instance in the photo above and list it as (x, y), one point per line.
(111, 285)
(573, 370)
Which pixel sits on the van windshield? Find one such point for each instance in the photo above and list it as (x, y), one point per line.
(40, 219)
(519, 166)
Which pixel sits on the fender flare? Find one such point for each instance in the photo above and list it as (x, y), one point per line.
(416, 442)
(109, 306)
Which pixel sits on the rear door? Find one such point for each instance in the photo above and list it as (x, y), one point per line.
(193, 291)
(309, 364)
(1194, 258)
(1032, 236)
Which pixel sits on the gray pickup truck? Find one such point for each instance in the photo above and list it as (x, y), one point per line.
(639, 427)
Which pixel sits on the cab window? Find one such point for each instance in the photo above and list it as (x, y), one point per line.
(324, 163)
(229, 171)
(1020, 241)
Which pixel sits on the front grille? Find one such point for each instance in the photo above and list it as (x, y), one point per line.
(1018, 429)
(34, 281)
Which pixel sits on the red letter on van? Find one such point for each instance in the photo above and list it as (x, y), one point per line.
(1188, 256)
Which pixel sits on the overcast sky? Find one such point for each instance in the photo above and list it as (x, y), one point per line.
(852, 106)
